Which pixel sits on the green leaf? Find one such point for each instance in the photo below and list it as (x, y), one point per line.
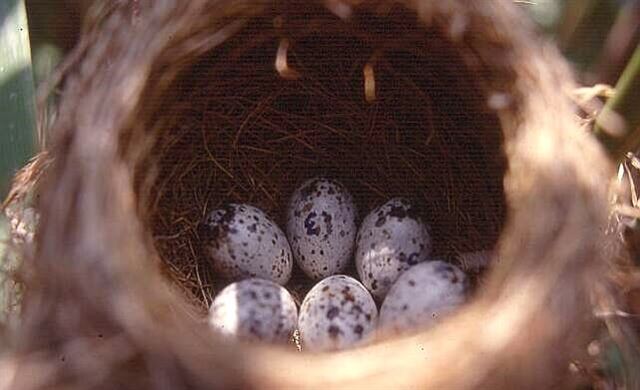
(618, 124)
(17, 96)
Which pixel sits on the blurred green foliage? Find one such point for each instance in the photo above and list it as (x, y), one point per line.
(597, 36)
(17, 101)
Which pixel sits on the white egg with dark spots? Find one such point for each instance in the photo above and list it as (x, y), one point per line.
(242, 241)
(321, 227)
(255, 310)
(337, 313)
(391, 239)
(421, 296)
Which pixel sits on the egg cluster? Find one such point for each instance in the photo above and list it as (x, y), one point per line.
(391, 251)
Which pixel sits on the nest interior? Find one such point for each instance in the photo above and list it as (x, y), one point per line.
(248, 131)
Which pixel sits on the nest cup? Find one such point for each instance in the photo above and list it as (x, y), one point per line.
(357, 101)
(170, 109)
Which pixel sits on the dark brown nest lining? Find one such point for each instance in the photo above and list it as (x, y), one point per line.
(150, 86)
(244, 133)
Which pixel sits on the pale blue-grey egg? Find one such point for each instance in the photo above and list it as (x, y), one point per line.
(337, 313)
(321, 227)
(391, 239)
(242, 242)
(254, 309)
(422, 295)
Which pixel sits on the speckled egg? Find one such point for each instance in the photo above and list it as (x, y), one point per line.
(321, 227)
(242, 241)
(256, 310)
(337, 313)
(421, 296)
(391, 239)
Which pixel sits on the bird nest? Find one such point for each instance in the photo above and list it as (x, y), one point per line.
(170, 109)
